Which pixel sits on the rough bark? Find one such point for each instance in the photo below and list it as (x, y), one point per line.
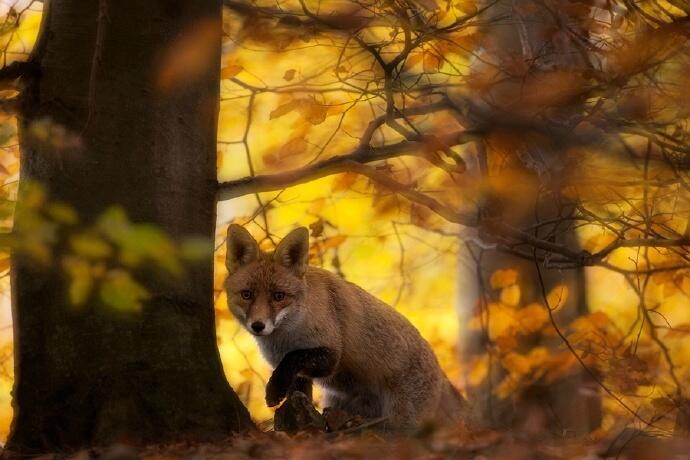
(91, 377)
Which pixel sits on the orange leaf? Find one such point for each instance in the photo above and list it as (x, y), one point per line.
(293, 147)
(532, 318)
(503, 278)
(413, 60)
(313, 112)
(190, 55)
(344, 182)
(510, 295)
(432, 63)
(333, 242)
(289, 75)
(557, 297)
(230, 71)
(285, 108)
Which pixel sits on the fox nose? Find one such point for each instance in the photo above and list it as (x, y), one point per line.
(258, 326)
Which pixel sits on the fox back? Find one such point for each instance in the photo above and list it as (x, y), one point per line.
(378, 365)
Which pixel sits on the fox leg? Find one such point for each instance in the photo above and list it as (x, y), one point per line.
(400, 412)
(302, 384)
(413, 402)
(311, 362)
(357, 401)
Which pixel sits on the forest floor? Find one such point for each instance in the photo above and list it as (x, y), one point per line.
(455, 444)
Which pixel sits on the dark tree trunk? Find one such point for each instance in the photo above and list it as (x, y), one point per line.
(571, 406)
(568, 407)
(92, 377)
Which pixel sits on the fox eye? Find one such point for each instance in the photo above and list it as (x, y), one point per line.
(278, 296)
(246, 294)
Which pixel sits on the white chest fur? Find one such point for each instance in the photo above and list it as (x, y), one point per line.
(275, 346)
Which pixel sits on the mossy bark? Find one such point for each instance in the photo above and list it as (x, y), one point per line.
(90, 377)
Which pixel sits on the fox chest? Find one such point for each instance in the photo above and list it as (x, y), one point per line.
(274, 347)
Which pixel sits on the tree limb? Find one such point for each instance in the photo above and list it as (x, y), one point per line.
(18, 69)
(334, 165)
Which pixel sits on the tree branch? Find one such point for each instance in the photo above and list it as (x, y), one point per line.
(451, 215)
(334, 165)
(344, 21)
(18, 69)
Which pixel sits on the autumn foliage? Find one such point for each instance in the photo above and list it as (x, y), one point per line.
(418, 139)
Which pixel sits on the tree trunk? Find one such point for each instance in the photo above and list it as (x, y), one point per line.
(91, 376)
(519, 31)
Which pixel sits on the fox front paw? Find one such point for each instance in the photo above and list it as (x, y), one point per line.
(276, 389)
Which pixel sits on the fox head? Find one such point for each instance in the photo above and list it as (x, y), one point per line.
(266, 290)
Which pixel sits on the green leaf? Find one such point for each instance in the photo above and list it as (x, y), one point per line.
(90, 246)
(114, 223)
(146, 242)
(139, 243)
(62, 213)
(196, 248)
(121, 292)
(81, 280)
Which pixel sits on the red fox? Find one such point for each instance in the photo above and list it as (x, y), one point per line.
(311, 324)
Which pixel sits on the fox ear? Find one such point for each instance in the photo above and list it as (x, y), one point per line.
(293, 251)
(242, 248)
